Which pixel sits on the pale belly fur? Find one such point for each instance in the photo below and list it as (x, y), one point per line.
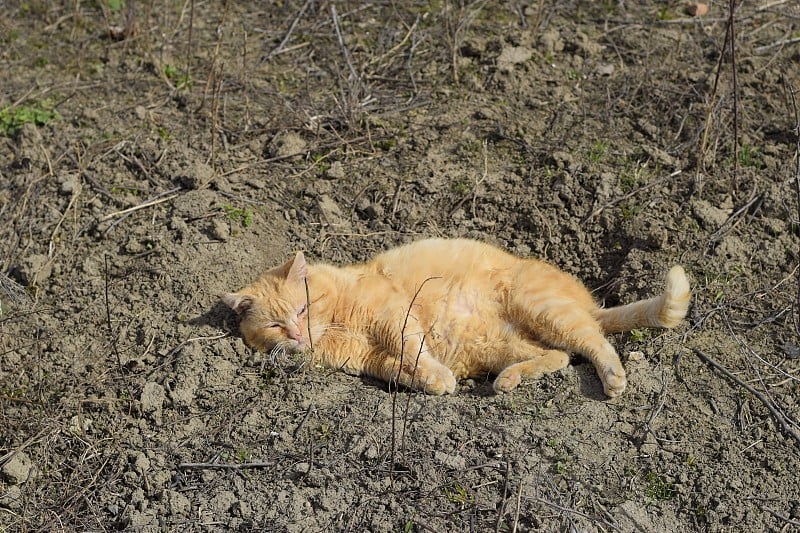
(468, 332)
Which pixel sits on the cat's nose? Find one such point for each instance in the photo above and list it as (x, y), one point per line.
(296, 335)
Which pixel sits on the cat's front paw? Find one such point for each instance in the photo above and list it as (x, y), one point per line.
(614, 382)
(507, 381)
(444, 383)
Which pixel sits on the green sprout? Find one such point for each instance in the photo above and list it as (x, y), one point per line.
(13, 118)
(238, 214)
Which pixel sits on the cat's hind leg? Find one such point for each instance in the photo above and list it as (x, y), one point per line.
(563, 320)
(542, 362)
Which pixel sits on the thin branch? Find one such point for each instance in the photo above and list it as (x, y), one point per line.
(308, 316)
(224, 466)
(143, 205)
(339, 37)
(731, 12)
(108, 316)
(784, 423)
(275, 51)
(399, 370)
(792, 95)
(776, 44)
(624, 197)
(304, 420)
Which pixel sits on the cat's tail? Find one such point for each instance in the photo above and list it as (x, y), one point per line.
(664, 311)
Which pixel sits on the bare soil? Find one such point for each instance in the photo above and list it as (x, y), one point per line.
(197, 143)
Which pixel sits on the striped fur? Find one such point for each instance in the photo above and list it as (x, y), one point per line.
(438, 310)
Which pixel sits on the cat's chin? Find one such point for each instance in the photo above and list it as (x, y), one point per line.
(298, 347)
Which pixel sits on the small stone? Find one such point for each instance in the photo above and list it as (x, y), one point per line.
(301, 469)
(513, 55)
(710, 217)
(223, 501)
(371, 453)
(606, 69)
(287, 144)
(329, 211)
(79, 425)
(696, 9)
(552, 42)
(220, 230)
(635, 356)
(455, 462)
(179, 504)
(141, 463)
(152, 399)
(336, 171)
(69, 185)
(36, 269)
(19, 468)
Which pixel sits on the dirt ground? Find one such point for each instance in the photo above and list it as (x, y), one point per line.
(156, 155)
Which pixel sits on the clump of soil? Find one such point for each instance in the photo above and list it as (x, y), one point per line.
(153, 159)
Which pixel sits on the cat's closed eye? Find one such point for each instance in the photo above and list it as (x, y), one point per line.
(301, 311)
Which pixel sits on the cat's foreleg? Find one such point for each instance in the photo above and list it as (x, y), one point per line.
(424, 374)
(406, 359)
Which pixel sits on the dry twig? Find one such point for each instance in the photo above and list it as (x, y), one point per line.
(399, 370)
(779, 418)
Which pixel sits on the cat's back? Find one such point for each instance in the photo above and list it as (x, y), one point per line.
(453, 259)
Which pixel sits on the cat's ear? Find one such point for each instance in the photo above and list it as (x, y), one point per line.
(297, 268)
(240, 303)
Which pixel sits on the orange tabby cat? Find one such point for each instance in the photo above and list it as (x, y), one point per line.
(435, 311)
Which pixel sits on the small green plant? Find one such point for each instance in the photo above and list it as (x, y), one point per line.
(122, 190)
(749, 156)
(598, 151)
(321, 161)
(238, 214)
(164, 134)
(243, 455)
(630, 211)
(460, 187)
(658, 488)
(182, 79)
(114, 5)
(639, 335)
(324, 431)
(13, 118)
(408, 527)
(455, 493)
(267, 376)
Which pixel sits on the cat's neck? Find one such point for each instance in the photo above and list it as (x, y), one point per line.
(327, 285)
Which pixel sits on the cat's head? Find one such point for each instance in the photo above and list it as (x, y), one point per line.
(273, 309)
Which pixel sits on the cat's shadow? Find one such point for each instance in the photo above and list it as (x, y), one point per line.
(219, 316)
(589, 382)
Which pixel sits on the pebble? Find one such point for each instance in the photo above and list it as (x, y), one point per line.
(19, 468)
(287, 144)
(336, 170)
(696, 9)
(152, 399)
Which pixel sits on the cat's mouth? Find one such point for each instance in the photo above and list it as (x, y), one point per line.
(296, 345)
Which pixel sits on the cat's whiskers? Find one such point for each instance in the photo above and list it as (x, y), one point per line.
(278, 354)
